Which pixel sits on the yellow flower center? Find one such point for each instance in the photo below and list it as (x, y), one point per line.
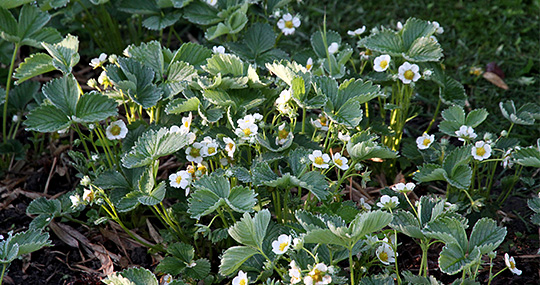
(383, 64)
(338, 162)
(319, 160)
(409, 74)
(230, 145)
(283, 134)
(242, 282)
(512, 265)
(195, 152)
(115, 130)
(283, 245)
(202, 169)
(289, 24)
(383, 256)
(191, 170)
(211, 150)
(178, 179)
(426, 142)
(246, 131)
(308, 66)
(323, 121)
(186, 124)
(480, 151)
(316, 276)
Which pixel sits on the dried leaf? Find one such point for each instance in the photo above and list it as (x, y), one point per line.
(153, 233)
(495, 79)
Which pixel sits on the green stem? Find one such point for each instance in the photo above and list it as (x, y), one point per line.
(3, 272)
(435, 114)
(304, 113)
(8, 87)
(351, 264)
(220, 213)
(424, 265)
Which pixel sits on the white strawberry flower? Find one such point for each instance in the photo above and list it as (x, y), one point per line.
(116, 130)
(438, 28)
(246, 131)
(364, 205)
(321, 123)
(481, 150)
(385, 254)
(218, 49)
(282, 244)
(425, 141)
(319, 159)
(283, 134)
(343, 137)
(88, 195)
(357, 32)
(507, 161)
(75, 200)
(511, 264)
(408, 73)
(295, 273)
(388, 202)
(340, 161)
(193, 153)
(287, 24)
(212, 2)
(210, 147)
(309, 64)
(318, 276)
(99, 61)
(333, 48)
(404, 188)
(240, 279)
(381, 63)
(465, 133)
(284, 97)
(230, 146)
(180, 179)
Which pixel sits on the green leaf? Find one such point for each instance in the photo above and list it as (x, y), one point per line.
(218, 184)
(8, 25)
(94, 107)
(234, 257)
(534, 204)
(148, 54)
(458, 156)
(154, 196)
(182, 251)
(325, 236)
(460, 177)
(181, 105)
(171, 265)
(406, 222)
(424, 49)
(318, 40)
(200, 270)
(449, 230)
(193, 54)
(476, 117)
(179, 74)
(43, 206)
(454, 114)
(23, 94)
(63, 93)
(8, 252)
(385, 42)
(8, 4)
(452, 92)
(198, 12)
(64, 54)
(285, 70)
(162, 21)
(415, 29)
(452, 259)
(486, 235)
(152, 145)
(135, 80)
(140, 276)
(203, 202)
(529, 156)
(368, 223)
(251, 231)
(30, 29)
(429, 172)
(34, 65)
(142, 7)
(225, 64)
(526, 115)
(316, 183)
(242, 199)
(30, 241)
(260, 37)
(46, 118)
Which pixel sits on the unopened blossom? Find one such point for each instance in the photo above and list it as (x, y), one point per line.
(357, 32)
(438, 28)
(166, 279)
(240, 279)
(193, 153)
(180, 179)
(85, 181)
(408, 73)
(343, 137)
(88, 195)
(283, 134)
(388, 202)
(507, 161)
(340, 161)
(333, 48)
(385, 254)
(404, 188)
(295, 273)
(481, 150)
(318, 276)
(287, 24)
(427, 74)
(321, 123)
(99, 61)
(218, 49)
(511, 264)
(425, 141)
(116, 130)
(364, 205)
(75, 200)
(465, 133)
(298, 243)
(104, 80)
(282, 244)
(319, 159)
(309, 64)
(399, 26)
(381, 63)
(230, 146)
